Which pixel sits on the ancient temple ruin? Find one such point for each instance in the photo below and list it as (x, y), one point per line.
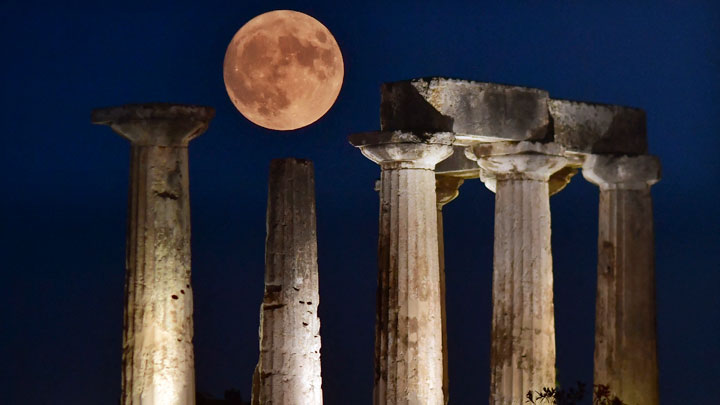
(524, 146)
(435, 134)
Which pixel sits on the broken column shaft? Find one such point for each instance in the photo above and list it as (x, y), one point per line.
(158, 364)
(625, 332)
(408, 334)
(288, 371)
(523, 323)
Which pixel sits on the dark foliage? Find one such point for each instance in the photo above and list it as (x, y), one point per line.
(231, 397)
(572, 396)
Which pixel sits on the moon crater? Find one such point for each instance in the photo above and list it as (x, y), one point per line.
(283, 70)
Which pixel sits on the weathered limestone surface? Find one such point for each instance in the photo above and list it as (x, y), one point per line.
(158, 363)
(625, 323)
(598, 128)
(557, 182)
(408, 334)
(523, 323)
(472, 110)
(447, 189)
(458, 165)
(288, 372)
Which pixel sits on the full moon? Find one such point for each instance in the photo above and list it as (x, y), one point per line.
(283, 70)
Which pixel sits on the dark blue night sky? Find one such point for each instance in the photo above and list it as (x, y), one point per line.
(64, 182)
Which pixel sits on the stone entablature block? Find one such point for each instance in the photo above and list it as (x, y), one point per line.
(474, 111)
(598, 128)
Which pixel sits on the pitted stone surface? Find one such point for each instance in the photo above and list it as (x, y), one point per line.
(288, 372)
(159, 124)
(158, 361)
(472, 110)
(598, 128)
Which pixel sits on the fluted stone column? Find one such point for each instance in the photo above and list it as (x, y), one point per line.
(408, 334)
(288, 371)
(158, 364)
(523, 324)
(447, 189)
(625, 321)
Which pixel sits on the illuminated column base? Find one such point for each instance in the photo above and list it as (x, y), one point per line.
(158, 364)
(288, 372)
(523, 322)
(408, 334)
(625, 332)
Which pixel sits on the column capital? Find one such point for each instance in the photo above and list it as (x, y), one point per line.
(517, 160)
(447, 189)
(561, 178)
(611, 172)
(156, 124)
(403, 150)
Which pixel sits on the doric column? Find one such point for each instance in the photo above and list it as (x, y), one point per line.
(288, 372)
(447, 189)
(523, 323)
(625, 331)
(158, 364)
(408, 334)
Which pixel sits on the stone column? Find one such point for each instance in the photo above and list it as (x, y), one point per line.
(447, 189)
(288, 371)
(523, 324)
(625, 331)
(158, 364)
(408, 334)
